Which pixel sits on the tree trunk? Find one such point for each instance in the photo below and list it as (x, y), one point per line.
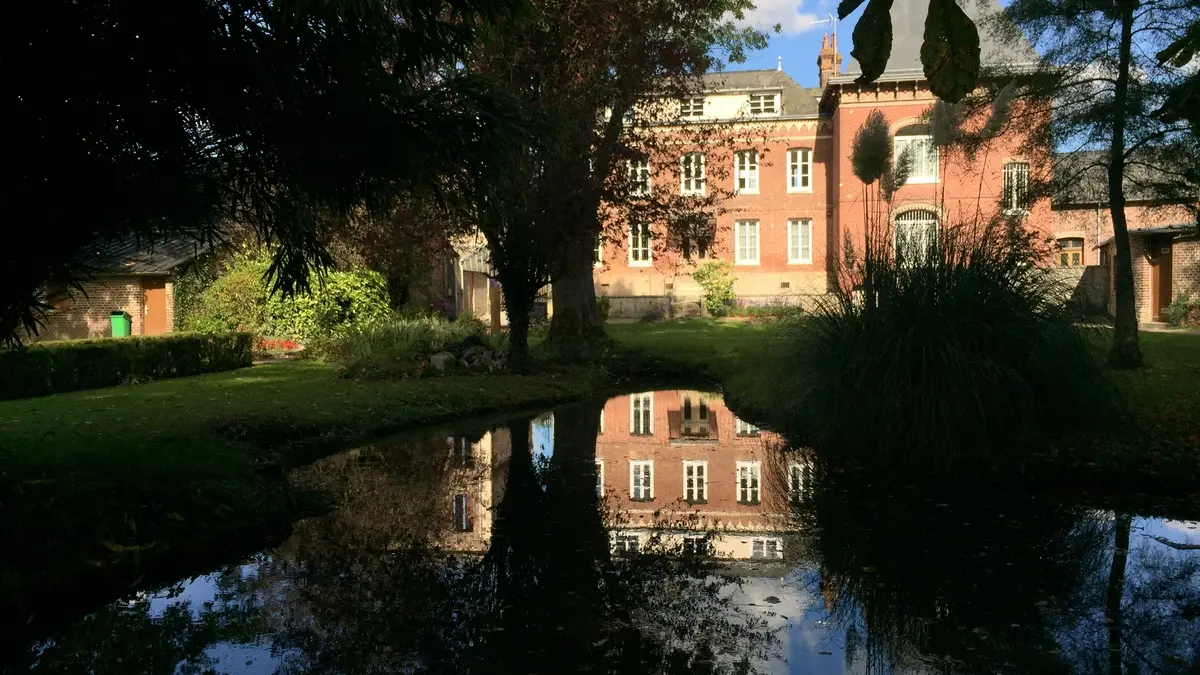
(518, 304)
(576, 323)
(1116, 589)
(1126, 352)
(518, 342)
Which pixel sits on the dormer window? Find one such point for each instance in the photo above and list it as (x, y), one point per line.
(764, 104)
(691, 107)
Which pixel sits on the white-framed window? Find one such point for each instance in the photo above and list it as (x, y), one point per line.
(462, 512)
(761, 547)
(916, 141)
(692, 106)
(799, 480)
(744, 429)
(915, 234)
(462, 453)
(695, 544)
(691, 174)
(641, 414)
(1015, 196)
(749, 482)
(598, 253)
(764, 103)
(626, 544)
(695, 481)
(639, 245)
(800, 241)
(641, 480)
(600, 478)
(639, 177)
(602, 421)
(799, 170)
(745, 171)
(745, 234)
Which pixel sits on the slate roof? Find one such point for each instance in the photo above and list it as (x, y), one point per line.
(908, 32)
(797, 101)
(1081, 179)
(131, 256)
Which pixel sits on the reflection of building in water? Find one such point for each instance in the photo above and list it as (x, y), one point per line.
(681, 464)
(477, 473)
(678, 465)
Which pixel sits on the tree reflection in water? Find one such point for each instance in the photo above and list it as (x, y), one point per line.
(961, 579)
(386, 584)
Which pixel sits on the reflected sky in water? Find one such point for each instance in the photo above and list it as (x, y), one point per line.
(658, 533)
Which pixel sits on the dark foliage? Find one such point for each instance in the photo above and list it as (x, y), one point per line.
(162, 120)
(90, 364)
(939, 358)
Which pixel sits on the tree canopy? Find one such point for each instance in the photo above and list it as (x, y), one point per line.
(161, 120)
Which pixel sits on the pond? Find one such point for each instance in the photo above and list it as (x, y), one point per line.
(658, 533)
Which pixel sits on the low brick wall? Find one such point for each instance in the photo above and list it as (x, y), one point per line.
(1084, 287)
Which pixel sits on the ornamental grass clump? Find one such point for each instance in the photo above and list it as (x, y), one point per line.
(401, 347)
(939, 355)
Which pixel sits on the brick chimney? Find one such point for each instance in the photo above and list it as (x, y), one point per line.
(829, 61)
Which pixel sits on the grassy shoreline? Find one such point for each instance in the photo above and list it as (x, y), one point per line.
(98, 487)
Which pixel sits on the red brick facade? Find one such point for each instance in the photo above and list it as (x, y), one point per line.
(86, 315)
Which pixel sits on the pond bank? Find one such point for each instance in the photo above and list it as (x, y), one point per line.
(97, 487)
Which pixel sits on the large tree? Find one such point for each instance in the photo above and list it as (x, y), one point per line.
(1100, 73)
(150, 120)
(585, 68)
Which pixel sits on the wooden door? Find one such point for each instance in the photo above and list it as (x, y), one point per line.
(1160, 275)
(154, 306)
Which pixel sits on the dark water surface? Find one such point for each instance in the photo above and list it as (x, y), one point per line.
(657, 533)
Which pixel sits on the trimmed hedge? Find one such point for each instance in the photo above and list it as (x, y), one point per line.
(72, 365)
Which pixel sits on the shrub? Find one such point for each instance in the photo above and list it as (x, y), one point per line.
(398, 348)
(236, 300)
(716, 278)
(939, 360)
(605, 304)
(344, 300)
(56, 367)
(1184, 311)
(241, 299)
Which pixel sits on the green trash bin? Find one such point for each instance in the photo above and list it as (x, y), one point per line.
(122, 324)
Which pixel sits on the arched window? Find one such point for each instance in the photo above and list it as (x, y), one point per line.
(915, 233)
(916, 140)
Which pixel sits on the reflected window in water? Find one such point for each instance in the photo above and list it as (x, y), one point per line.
(624, 544)
(695, 544)
(745, 429)
(462, 454)
(766, 548)
(695, 482)
(600, 479)
(641, 414)
(799, 480)
(749, 478)
(462, 512)
(641, 480)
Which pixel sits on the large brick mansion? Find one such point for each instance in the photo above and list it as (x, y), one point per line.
(796, 200)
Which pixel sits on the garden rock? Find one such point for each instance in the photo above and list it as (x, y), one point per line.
(442, 360)
(489, 363)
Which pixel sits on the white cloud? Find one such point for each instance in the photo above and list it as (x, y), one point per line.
(786, 13)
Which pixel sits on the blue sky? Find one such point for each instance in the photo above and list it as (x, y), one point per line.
(800, 39)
